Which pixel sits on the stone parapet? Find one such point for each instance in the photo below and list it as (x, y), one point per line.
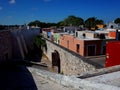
(74, 82)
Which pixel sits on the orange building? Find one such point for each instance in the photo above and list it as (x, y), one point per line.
(112, 34)
(82, 46)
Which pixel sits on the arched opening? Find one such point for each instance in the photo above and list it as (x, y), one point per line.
(56, 60)
(111, 26)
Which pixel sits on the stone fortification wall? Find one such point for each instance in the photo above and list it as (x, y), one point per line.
(5, 45)
(70, 63)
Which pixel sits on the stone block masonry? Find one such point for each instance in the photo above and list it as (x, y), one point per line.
(70, 63)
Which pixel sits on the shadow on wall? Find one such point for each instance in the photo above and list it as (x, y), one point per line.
(35, 54)
(23, 47)
(14, 74)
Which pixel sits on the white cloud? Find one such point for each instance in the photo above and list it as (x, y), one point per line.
(1, 8)
(12, 1)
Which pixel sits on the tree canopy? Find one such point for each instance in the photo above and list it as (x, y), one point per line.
(39, 41)
(92, 22)
(41, 24)
(117, 21)
(72, 20)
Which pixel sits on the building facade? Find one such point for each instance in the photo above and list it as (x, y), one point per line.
(84, 47)
(86, 43)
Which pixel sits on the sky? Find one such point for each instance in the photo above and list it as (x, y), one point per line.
(19, 12)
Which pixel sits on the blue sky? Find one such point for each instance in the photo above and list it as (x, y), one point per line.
(24, 11)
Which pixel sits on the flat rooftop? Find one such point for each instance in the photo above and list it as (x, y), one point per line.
(87, 38)
(97, 59)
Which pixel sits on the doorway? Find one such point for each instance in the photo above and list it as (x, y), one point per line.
(91, 50)
(56, 60)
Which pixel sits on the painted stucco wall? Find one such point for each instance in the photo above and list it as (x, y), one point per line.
(83, 44)
(56, 37)
(81, 49)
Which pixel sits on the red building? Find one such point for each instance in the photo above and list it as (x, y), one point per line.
(113, 51)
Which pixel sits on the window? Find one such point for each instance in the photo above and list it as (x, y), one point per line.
(111, 26)
(77, 48)
(76, 34)
(84, 35)
(118, 35)
(102, 36)
(68, 44)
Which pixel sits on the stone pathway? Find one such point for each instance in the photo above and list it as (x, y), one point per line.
(43, 84)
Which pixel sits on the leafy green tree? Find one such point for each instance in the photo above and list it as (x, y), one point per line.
(41, 24)
(39, 44)
(98, 21)
(34, 23)
(117, 21)
(92, 22)
(72, 20)
(61, 23)
(39, 41)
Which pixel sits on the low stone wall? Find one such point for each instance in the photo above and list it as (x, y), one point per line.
(99, 72)
(74, 82)
(71, 63)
